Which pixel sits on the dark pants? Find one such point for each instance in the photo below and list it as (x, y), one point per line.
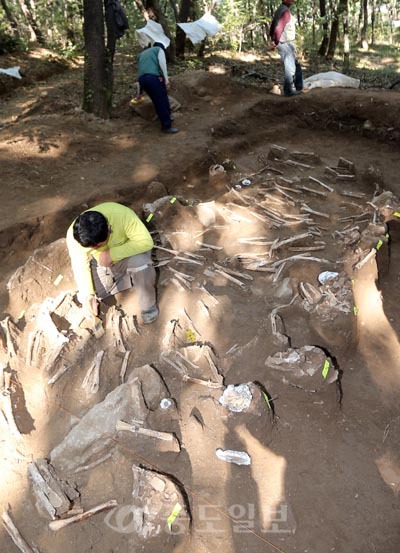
(155, 87)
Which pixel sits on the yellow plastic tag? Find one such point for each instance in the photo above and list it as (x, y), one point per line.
(355, 310)
(396, 214)
(325, 370)
(149, 217)
(172, 200)
(387, 235)
(21, 315)
(190, 335)
(379, 245)
(172, 517)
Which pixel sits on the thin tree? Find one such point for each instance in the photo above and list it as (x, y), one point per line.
(346, 38)
(364, 27)
(96, 97)
(325, 38)
(10, 17)
(36, 33)
(183, 16)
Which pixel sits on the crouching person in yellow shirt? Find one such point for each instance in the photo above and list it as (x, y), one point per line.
(110, 251)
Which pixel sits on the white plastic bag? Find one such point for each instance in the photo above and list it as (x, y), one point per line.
(196, 31)
(330, 79)
(151, 33)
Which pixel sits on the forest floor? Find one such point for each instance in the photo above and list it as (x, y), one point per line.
(324, 473)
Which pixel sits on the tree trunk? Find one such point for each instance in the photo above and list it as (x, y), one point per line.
(183, 16)
(346, 38)
(364, 41)
(96, 97)
(333, 37)
(33, 26)
(11, 19)
(325, 38)
(373, 23)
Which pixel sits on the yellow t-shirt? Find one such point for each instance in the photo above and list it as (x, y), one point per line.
(128, 237)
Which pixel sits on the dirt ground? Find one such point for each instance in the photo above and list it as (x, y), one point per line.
(325, 458)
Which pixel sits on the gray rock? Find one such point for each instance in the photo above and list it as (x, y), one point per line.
(95, 433)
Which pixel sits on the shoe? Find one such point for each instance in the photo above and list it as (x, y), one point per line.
(150, 315)
(170, 130)
(293, 93)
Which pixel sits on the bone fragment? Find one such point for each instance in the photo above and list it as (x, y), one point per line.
(177, 284)
(92, 379)
(124, 365)
(115, 321)
(210, 297)
(248, 211)
(164, 436)
(233, 273)
(6, 407)
(214, 369)
(299, 257)
(206, 383)
(94, 464)
(279, 272)
(15, 535)
(58, 524)
(307, 248)
(297, 164)
(329, 188)
(256, 241)
(11, 347)
(233, 215)
(169, 332)
(203, 307)
(63, 369)
(179, 354)
(307, 209)
(360, 195)
(286, 241)
(313, 191)
(190, 323)
(365, 260)
(182, 275)
(232, 279)
(240, 196)
(209, 246)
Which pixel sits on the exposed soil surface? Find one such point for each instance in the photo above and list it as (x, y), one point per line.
(325, 459)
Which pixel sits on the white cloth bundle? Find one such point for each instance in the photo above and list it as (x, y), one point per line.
(198, 30)
(12, 72)
(151, 33)
(331, 79)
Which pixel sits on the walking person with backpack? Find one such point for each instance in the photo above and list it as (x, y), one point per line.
(283, 33)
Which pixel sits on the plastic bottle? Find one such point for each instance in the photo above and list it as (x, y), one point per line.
(231, 456)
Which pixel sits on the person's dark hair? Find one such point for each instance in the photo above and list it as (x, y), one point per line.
(160, 45)
(90, 229)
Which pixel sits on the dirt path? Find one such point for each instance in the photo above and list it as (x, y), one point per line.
(324, 477)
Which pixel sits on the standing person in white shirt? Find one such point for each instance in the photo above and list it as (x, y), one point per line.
(283, 34)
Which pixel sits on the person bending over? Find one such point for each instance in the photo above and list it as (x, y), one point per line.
(153, 79)
(110, 251)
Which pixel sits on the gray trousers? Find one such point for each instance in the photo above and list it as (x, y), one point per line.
(135, 271)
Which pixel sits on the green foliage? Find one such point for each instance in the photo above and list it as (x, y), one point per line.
(10, 44)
